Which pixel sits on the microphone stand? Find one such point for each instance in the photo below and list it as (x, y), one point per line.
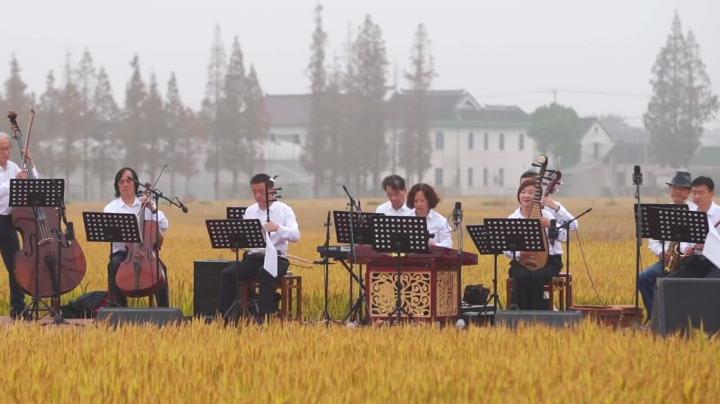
(566, 226)
(354, 308)
(326, 265)
(637, 181)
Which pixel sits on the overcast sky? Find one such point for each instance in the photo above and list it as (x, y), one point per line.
(503, 52)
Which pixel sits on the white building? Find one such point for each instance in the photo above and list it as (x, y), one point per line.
(477, 149)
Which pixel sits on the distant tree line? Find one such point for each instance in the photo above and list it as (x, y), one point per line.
(347, 139)
(82, 128)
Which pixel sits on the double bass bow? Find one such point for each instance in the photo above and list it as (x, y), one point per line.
(51, 263)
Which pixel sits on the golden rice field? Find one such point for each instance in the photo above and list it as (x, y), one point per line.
(313, 363)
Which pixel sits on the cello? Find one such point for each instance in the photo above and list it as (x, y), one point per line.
(142, 273)
(50, 263)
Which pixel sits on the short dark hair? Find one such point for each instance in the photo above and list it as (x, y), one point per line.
(702, 180)
(427, 190)
(528, 174)
(393, 181)
(118, 177)
(261, 178)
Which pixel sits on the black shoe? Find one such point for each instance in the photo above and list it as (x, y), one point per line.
(21, 314)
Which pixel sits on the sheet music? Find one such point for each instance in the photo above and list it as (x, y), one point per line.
(711, 250)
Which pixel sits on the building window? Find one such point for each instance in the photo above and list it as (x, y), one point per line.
(439, 140)
(486, 142)
(439, 177)
(501, 142)
(471, 141)
(485, 177)
(596, 151)
(501, 177)
(470, 177)
(521, 142)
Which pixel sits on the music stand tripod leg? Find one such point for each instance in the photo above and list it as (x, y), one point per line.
(238, 308)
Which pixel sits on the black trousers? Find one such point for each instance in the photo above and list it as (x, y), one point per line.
(9, 245)
(161, 294)
(251, 267)
(529, 286)
(696, 266)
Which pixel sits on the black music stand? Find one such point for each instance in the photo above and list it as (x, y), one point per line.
(480, 237)
(514, 235)
(400, 235)
(236, 234)
(679, 225)
(647, 207)
(354, 232)
(644, 230)
(235, 212)
(40, 193)
(111, 228)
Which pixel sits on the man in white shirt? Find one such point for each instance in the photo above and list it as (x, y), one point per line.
(9, 243)
(679, 190)
(283, 228)
(394, 187)
(696, 265)
(126, 188)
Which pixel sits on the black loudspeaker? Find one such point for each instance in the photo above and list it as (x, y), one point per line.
(206, 287)
(125, 315)
(511, 318)
(684, 303)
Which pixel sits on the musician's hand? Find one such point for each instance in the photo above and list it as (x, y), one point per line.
(150, 205)
(545, 222)
(699, 247)
(22, 175)
(271, 226)
(688, 250)
(550, 202)
(432, 243)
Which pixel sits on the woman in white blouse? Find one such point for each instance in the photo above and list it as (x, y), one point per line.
(423, 199)
(529, 286)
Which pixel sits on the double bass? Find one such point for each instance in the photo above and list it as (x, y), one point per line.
(51, 262)
(142, 273)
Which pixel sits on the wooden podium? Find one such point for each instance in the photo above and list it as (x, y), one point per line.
(431, 283)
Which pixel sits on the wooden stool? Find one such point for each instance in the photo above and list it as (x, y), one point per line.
(290, 287)
(561, 283)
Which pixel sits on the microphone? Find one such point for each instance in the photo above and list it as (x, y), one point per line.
(182, 205)
(457, 213)
(553, 232)
(637, 176)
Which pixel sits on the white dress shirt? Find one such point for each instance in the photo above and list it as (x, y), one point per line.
(282, 215)
(555, 247)
(118, 206)
(713, 216)
(656, 246)
(388, 210)
(438, 226)
(7, 173)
